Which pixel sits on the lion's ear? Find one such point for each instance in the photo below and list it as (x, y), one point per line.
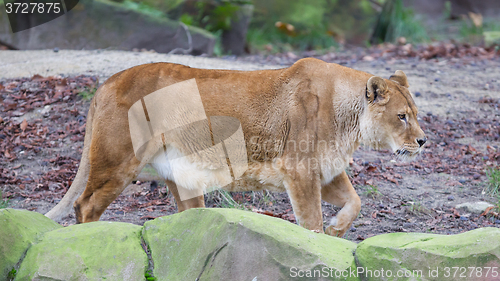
(376, 89)
(400, 77)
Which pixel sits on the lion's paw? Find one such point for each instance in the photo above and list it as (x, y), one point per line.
(333, 230)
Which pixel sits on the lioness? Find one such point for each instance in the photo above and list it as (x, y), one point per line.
(328, 108)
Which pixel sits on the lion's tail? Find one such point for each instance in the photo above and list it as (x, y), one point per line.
(65, 206)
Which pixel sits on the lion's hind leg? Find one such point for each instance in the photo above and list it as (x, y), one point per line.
(196, 198)
(341, 193)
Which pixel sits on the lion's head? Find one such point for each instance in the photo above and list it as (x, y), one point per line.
(390, 117)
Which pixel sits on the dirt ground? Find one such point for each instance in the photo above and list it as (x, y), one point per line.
(458, 100)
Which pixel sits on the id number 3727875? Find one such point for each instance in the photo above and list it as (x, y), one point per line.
(33, 8)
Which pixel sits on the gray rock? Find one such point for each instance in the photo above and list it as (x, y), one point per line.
(423, 254)
(90, 251)
(19, 229)
(474, 207)
(228, 244)
(100, 24)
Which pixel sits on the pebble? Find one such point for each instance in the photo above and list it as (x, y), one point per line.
(462, 181)
(486, 158)
(153, 186)
(381, 206)
(56, 50)
(449, 122)
(353, 229)
(476, 176)
(119, 212)
(451, 198)
(497, 221)
(408, 224)
(418, 94)
(463, 218)
(437, 79)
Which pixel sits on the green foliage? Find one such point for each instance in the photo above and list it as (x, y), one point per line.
(87, 93)
(493, 187)
(397, 21)
(160, 6)
(310, 29)
(489, 31)
(224, 199)
(317, 24)
(418, 209)
(187, 19)
(314, 39)
(220, 17)
(447, 10)
(404, 24)
(372, 191)
(143, 7)
(212, 15)
(149, 275)
(12, 274)
(4, 203)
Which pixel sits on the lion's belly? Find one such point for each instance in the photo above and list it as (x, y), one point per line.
(194, 175)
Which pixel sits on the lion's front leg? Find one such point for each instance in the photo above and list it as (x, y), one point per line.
(341, 193)
(304, 190)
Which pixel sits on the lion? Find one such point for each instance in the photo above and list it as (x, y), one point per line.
(311, 116)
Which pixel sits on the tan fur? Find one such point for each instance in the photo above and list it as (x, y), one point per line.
(301, 125)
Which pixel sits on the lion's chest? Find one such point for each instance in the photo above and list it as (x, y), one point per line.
(192, 174)
(258, 176)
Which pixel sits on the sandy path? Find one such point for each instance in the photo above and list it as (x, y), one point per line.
(14, 64)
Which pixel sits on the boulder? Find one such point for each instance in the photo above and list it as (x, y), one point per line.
(420, 256)
(99, 24)
(91, 251)
(229, 244)
(19, 229)
(474, 207)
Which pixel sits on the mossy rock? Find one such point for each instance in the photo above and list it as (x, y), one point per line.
(101, 24)
(422, 254)
(19, 229)
(229, 244)
(91, 251)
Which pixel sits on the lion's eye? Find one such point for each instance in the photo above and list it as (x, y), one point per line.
(402, 117)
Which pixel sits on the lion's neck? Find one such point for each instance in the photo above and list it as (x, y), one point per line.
(348, 112)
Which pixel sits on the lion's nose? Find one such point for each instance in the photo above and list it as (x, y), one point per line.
(421, 141)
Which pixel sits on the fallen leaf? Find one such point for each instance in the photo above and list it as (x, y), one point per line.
(24, 125)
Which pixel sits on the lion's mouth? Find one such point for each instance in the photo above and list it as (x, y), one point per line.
(405, 154)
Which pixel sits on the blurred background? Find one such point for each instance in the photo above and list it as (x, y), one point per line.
(241, 27)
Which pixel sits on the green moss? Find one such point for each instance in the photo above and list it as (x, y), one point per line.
(419, 251)
(19, 229)
(94, 251)
(220, 240)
